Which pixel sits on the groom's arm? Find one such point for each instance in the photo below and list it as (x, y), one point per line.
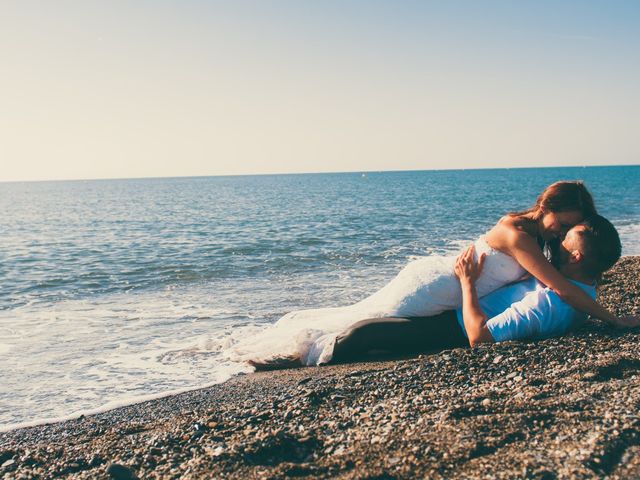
(475, 320)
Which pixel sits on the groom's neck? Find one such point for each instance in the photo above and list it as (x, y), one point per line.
(573, 272)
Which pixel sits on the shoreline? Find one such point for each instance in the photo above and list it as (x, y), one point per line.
(559, 408)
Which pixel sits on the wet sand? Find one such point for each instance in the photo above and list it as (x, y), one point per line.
(560, 408)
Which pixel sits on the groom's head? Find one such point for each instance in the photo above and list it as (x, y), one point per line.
(590, 248)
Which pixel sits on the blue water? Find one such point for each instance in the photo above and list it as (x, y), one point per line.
(116, 289)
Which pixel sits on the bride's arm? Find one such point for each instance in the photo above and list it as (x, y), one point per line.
(527, 253)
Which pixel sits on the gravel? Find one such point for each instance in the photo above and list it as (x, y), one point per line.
(560, 408)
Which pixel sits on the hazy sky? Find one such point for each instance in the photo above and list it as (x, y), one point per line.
(94, 89)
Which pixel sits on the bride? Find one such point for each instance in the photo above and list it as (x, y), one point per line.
(428, 286)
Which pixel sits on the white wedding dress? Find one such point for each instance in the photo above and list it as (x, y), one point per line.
(424, 287)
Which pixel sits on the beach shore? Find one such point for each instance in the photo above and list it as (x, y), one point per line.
(560, 408)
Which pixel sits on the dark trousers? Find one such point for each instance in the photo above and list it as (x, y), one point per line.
(399, 336)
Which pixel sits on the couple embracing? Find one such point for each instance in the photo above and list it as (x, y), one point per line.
(531, 276)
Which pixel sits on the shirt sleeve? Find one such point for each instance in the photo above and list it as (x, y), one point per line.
(523, 319)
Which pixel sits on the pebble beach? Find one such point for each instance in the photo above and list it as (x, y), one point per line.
(561, 408)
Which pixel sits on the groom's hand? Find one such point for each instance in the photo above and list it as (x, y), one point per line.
(466, 268)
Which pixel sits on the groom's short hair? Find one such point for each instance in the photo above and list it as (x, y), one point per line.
(601, 245)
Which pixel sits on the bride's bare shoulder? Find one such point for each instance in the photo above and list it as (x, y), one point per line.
(510, 222)
(506, 232)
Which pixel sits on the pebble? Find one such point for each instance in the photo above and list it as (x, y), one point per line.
(340, 450)
(216, 452)
(120, 472)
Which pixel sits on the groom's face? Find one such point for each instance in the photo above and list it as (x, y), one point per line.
(571, 243)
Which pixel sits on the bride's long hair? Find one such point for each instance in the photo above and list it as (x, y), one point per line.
(563, 196)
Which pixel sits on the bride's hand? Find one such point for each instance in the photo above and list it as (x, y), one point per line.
(466, 268)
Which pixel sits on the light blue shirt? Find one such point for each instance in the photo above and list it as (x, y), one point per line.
(528, 310)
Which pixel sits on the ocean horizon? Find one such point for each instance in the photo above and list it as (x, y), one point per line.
(331, 172)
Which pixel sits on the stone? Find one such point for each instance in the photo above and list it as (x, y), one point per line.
(120, 472)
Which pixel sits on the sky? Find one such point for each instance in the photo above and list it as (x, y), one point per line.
(114, 89)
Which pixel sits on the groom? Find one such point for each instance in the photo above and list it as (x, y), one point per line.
(522, 310)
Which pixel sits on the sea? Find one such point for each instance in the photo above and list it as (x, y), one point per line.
(117, 291)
